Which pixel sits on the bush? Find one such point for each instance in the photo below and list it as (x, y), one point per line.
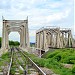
(69, 60)
(55, 59)
(52, 54)
(58, 57)
(73, 69)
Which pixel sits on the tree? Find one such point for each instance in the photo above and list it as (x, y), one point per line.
(11, 43)
(14, 43)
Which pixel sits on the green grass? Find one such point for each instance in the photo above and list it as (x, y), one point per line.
(54, 60)
(4, 59)
(63, 55)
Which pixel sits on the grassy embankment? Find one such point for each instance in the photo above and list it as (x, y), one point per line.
(4, 60)
(52, 60)
(55, 60)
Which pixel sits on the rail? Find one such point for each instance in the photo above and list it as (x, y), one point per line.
(39, 70)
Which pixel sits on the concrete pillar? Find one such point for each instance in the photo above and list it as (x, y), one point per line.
(25, 44)
(72, 41)
(37, 40)
(3, 35)
(45, 40)
(27, 34)
(41, 40)
(48, 39)
(62, 40)
(21, 38)
(54, 40)
(58, 40)
(7, 40)
(51, 40)
(65, 41)
(69, 39)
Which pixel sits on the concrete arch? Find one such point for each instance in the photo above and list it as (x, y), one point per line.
(20, 26)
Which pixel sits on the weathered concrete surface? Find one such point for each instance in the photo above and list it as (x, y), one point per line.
(20, 26)
(53, 38)
(69, 66)
(48, 71)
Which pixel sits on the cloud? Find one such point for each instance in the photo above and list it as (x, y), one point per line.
(32, 32)
(74, 18)
(5, 4)
(40, 12)
(59, 16)
(13, 36)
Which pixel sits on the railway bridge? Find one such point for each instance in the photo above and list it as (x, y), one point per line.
(53, 37)
(20, 26)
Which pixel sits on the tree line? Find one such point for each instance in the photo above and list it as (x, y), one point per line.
(11, 43)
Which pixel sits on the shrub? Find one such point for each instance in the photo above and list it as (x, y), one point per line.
(58, 57)
(73, 69)
(52, 54)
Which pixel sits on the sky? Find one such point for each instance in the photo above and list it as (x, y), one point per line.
(41, 13)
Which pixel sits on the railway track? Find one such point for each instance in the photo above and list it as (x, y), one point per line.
(21, 64)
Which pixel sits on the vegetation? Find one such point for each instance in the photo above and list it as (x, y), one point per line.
(32, 44)
(4, 60)
(55, 60)
(14, 43)
(11, 43)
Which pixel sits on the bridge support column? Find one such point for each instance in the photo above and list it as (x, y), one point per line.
(27, 34)
(62, 41)
(45, 40)
(41, 40)
(21, 44)
(69, 39)
(51, 40)
(3, 35)
(7, 40)
(65, 41)
(58, 40)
